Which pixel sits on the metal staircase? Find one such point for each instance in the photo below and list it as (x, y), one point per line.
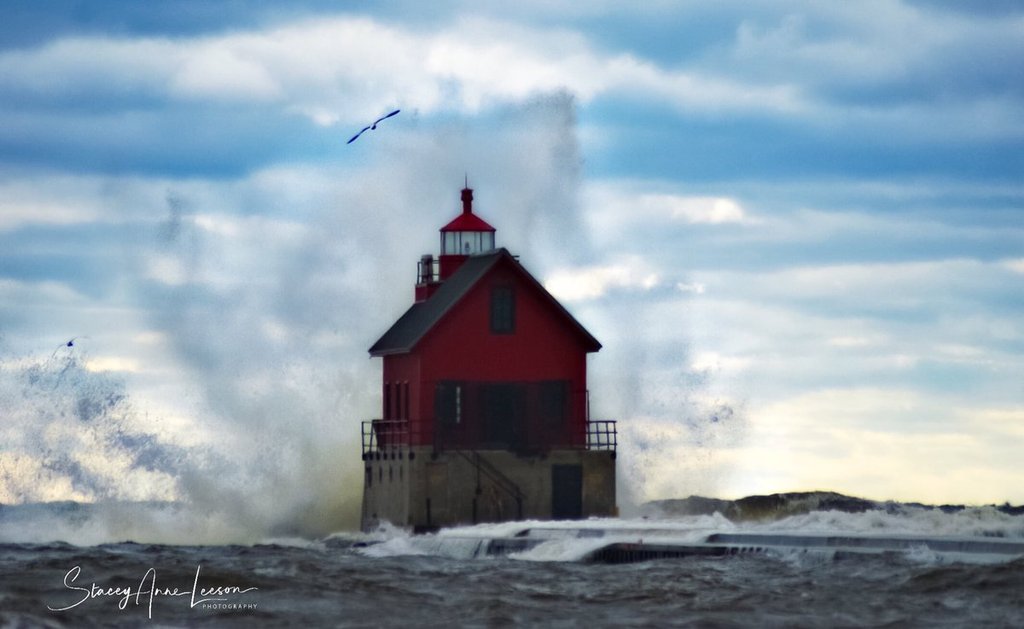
(486, 468)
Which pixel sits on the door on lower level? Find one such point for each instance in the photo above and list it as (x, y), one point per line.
(566, 492)
(504, 415)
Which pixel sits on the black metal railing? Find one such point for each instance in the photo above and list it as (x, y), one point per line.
(602, 434)
(382, 437)
(428, 270)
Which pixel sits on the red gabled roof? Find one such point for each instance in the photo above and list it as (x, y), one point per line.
(406, 333)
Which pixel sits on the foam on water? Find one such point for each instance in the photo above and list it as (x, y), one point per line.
(906, 520)
(402, 546)
(575, 541)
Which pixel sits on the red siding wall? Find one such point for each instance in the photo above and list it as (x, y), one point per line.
(462, 347)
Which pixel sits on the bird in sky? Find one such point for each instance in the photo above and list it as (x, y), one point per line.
(373, 126)
(69, 343)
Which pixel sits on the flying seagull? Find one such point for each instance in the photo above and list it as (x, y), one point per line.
(70, 343)
(373, 126)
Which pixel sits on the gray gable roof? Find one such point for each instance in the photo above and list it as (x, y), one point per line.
(421, 317)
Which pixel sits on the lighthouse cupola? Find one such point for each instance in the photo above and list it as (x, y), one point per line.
(467, 234)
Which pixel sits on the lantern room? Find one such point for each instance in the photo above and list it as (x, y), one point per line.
(466, 235)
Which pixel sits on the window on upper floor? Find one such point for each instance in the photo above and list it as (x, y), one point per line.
(503, 310)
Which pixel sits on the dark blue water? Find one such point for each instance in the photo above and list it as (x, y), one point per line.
(333, 584)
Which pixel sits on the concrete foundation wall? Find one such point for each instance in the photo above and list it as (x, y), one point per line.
(386, 491)
(421, 489)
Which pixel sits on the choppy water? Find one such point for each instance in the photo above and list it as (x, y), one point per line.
(436, 581)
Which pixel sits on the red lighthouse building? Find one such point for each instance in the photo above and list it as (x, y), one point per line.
(485, 413)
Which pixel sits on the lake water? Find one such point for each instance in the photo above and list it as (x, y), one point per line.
(392, 579)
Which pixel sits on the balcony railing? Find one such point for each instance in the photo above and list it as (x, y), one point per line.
(602, 435)
(386, 438)
(428, 270)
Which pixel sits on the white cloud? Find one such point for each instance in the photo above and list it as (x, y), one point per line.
(166, 269)
(219, 225)
(713, 361)
(579, 284)
(1016, 265)
(17, 215)
(849, 341)
(865, 43)
(619, 203)
(113, 363)
(28, 293)
(879, 287)
(219, 73)
(52, 199)
(880, 443)
(694, 210)
(837, 49)
(623, 213)
(812, 343)
(150, 338)
(90, 65)
(997, 422)
(346, 68)
(865, 50)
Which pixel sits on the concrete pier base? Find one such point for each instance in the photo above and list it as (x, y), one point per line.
(423, 489)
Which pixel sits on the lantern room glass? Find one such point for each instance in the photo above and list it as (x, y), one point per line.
(466, 243)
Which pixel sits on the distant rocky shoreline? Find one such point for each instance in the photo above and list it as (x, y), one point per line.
(777, 506)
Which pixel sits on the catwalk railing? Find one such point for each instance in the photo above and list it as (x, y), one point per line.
(384, 437)
(602, 434)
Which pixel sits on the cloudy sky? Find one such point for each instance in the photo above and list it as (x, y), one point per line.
(795, 226)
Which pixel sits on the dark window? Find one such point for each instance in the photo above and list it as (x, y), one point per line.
(553, 398)
(387, 400)
(503, 310)
(405, 401)
(505, 413)
(447, 405)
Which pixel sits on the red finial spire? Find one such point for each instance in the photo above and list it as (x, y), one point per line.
(467, 198)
